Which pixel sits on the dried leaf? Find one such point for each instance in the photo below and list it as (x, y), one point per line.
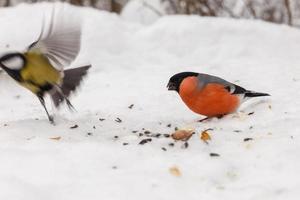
(175, 171)
(55, 138)
(205, 136)
(183, 135)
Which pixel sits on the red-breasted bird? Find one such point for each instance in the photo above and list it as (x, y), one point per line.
(209, 95)
(40, 68)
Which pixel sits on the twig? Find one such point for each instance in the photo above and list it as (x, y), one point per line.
(152, 8)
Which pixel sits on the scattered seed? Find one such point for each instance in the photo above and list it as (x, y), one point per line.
(171, 144)
(247, 139)
(118, 120)
(5, 125)
(131, 106)
(214, 155)
(156, 135)
(144, 141)
(176, 128)
(101, 119)
(270, 107)
(166, 135)
(114, 167)
(237, 131)
(94, 127)
(169, 125)
(30, 138)
(55, 138)
(164, 149)
(36, 119)
(89, 133)
(175, 171)
(147, 132)
(75, 126)
(116, 137)
(250, 113)
(185, 145)
(141, 134)
(251, 127)
(134, 131)
(125, 143)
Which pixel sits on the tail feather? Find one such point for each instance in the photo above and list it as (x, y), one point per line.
(255, 94)
(71, 80)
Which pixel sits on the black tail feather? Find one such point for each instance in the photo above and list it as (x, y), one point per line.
(255, 94)
(71, 80)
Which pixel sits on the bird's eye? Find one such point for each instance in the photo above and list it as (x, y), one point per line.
(14, 63)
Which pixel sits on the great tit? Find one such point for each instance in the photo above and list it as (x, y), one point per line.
(40, 67)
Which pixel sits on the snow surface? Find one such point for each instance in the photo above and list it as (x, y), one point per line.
(131, 65)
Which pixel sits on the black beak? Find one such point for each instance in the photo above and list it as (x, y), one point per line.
(171, 86)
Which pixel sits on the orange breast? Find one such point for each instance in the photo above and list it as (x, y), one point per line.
(212, 100)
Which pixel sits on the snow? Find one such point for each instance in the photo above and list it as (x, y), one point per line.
(132, 64)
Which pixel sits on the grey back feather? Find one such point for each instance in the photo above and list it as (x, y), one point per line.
(205, 79)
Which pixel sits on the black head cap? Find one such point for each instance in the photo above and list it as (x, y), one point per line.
(175, 81)
(12, 63)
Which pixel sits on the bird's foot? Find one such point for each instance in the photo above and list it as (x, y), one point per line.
(207, 118)
(51, 120)
(219, 116)
(204, 119)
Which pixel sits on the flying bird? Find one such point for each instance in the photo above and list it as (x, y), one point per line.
(40, 68)
(209, 95)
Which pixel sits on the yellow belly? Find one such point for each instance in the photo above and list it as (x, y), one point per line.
(39, 72)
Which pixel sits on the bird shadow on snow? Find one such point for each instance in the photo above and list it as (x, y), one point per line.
(252, 105)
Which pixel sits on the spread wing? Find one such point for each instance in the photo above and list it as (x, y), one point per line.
(60, 40)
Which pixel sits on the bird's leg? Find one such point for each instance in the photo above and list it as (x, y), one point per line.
(207, 118)
(70, 106)
(204, 119)
(43, 104)
(220, 116)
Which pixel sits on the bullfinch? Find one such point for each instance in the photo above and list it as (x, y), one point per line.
(209, 95)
